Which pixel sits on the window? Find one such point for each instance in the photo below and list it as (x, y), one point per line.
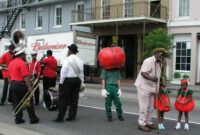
(183, 56)
(23, 20)
(105, 9)
(58, 16)
(39, 18)
(128, 8)
(184, 7)
(80, 10)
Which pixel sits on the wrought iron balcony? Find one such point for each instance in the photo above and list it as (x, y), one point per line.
(132, 9)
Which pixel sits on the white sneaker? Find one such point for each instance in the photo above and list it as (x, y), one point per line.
(186, 127)
(178, 125)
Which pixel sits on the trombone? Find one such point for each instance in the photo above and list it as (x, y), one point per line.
(26, 99)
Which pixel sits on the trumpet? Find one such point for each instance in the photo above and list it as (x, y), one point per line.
(26, 99)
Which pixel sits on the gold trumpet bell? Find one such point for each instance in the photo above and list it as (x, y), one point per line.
(27, 103)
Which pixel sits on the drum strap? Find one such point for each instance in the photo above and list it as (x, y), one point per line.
(74, 66)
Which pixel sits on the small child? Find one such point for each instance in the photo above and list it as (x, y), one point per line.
(163, 102)
(184, 103)
(111, 91)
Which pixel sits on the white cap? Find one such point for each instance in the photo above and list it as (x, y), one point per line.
(19, 50)
(33, 53)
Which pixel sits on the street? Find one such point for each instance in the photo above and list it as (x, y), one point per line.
(91, 118)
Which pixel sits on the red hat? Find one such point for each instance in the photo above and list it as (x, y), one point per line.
(184, 81)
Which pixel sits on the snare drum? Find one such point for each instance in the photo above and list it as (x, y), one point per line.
(50, 99)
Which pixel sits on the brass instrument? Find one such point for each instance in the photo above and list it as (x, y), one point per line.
(26, 99)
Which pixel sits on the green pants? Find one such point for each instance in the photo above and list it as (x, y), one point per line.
(112, 90)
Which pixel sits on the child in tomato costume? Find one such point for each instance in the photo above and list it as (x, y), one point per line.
(111, 59)
(163, 102)
(184, 103)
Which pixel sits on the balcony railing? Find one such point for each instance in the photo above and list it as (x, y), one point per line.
(133, 9)
(4, 4)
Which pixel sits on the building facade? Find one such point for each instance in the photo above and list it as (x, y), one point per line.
(125, 22)
(184, 22)
(43, 22)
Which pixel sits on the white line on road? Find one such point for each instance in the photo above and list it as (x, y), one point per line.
(98, 108)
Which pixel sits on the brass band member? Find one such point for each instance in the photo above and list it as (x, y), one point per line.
(4, 62)
(20, 85)
(35, 70)
(70, 85)
(49, 71)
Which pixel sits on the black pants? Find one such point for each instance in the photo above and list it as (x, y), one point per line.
(69, 94)
(37, 93)
(5, 91)
(48, 82)
(19, 89)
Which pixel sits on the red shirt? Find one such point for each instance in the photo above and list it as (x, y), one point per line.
(18, 70)
(37, 67)
(49, 67)
(6, 59)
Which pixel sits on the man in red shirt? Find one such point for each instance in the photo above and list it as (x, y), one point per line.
(20, 85)
(49, 71)
(35, 70)
(4, 62)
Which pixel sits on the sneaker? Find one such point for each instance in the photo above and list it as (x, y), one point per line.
(58, 120)
(34, 121)
(110, 119)
(161, 126)
(178, 125)
(19, 121)
(120, 118)
(9, 103)
(186, 127)
(1, 104)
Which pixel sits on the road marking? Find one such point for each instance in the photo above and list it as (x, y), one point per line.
(98, 108)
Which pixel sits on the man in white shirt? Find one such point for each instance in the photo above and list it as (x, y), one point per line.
(146, 83)
(71, 77)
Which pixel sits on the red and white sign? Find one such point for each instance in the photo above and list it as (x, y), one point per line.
(57, 42)
(87, 50)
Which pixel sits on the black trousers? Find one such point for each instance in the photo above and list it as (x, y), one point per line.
(48, 82)
(19, 89)
(68, 95)
(37, 93)
(5, 91)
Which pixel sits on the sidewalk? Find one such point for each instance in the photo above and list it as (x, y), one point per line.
(130, 83)
(7, 129)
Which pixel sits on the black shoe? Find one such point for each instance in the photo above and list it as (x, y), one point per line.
(70, 119)
(110, 119)
(34, 121)
(1, 104)
(120, 118)
(58, 121)
(19, 121)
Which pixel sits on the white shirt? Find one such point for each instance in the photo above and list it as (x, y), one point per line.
(148, 66)
(68, 72)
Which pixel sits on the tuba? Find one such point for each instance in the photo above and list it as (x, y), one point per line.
(19, 41)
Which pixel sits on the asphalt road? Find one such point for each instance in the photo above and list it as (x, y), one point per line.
(91, 118)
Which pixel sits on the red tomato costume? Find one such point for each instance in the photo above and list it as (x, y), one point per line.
(164, 96)
(184, 96)
(110, 58)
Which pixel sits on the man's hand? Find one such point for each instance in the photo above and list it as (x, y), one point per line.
(30, 89)
(154, 79)
(104, 93)
(119, 92)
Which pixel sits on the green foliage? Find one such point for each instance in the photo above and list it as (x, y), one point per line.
(165, 77)
(157, 39)
(177, 75)
(186, 76)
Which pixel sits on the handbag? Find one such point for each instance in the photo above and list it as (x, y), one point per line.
(76, 69)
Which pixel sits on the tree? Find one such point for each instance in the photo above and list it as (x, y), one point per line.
(157, 39)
